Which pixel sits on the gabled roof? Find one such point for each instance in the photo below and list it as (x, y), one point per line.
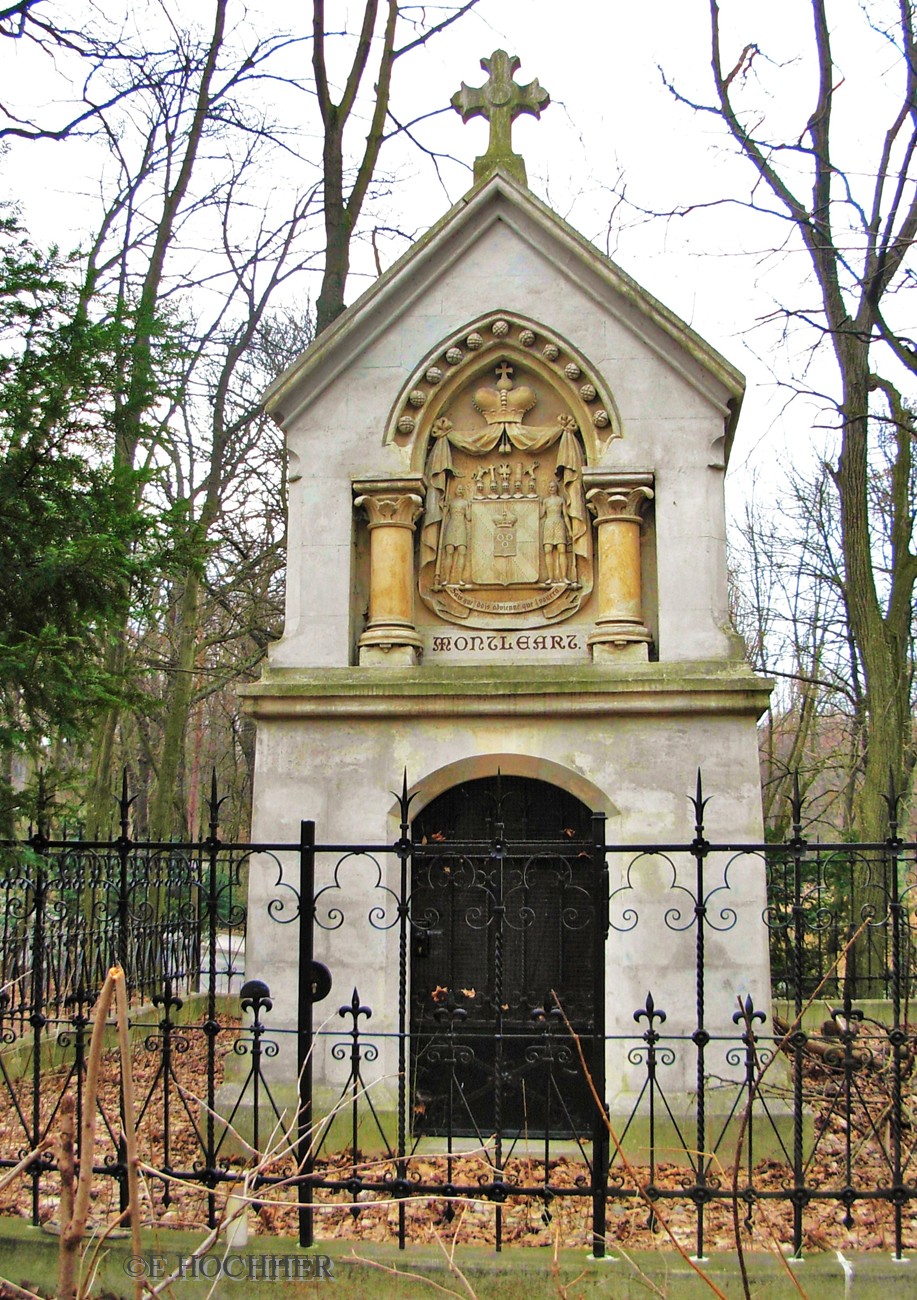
(494, 200)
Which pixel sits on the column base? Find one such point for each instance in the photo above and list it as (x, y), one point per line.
(390, 645)
(620, 643)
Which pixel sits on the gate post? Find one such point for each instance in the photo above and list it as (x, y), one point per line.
(304, 1042)
(600, 1125)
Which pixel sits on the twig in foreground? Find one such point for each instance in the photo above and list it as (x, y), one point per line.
(626, 1165)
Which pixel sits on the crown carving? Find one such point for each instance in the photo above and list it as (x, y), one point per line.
(504, 404)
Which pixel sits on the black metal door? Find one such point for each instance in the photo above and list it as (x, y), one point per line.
(502, 914)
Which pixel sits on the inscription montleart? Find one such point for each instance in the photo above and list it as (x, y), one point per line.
(506, 538)
(522, 642)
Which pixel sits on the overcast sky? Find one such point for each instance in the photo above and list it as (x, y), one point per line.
(611, 121)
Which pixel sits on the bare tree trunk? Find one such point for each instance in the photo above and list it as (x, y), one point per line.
(343, 212)
(854, 273)
(166, 813)
(140, 391)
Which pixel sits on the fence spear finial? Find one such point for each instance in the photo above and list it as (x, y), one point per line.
(892, 801)
(699, 803)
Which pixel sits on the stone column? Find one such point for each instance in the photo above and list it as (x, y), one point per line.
(392, 507)
(615, 501)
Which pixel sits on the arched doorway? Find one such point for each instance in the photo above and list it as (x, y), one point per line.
(502, 912)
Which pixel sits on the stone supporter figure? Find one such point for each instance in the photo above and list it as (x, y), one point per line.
(555, 536)
(454, 546)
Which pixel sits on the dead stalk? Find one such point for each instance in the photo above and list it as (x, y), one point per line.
(625, 1163)
(763, 1213)
(19, 1290)
(66, 1159)
(12, 1174)
(97, 1245)
(74, 1230)
(129, 1121)
(450, 1260)
(644, 1277)
(398, 1272)
(203, 1249)
(746, 1119)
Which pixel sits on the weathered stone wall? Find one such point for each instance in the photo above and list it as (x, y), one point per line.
(626, 737)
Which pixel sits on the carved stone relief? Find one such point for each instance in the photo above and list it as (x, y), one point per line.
(506, 540)
(488, 341)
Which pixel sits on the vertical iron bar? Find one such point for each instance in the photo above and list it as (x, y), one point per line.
(124, 850)
(699, 847)
(304, 1036)
(169, 1003)
(851, 1017)
(798, 845)
(543, 1018)
(898, 1034)
(600, 1138)
(852, 963)
(212, 1026)
(37, 1017)
(80, 1024)
(403, 849)
(746, 1017)
(498, 859)
(651, 1037)
(256, 998)
(256, 1082)
(455, 1015)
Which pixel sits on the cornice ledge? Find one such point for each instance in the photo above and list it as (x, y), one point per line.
(556, 691)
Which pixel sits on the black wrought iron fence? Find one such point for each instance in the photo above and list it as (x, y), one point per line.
(491, 1077)
(72, 907)
(839, 887)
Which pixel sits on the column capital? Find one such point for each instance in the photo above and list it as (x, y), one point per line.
(617, 495)
(390, 502)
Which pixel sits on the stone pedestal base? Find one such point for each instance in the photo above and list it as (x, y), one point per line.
(389, 656)
(375, 1135)
(674, 1129)
(619, 652)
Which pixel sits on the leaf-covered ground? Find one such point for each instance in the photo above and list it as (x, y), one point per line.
(563, 1219)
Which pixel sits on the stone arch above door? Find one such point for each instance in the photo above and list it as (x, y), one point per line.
(435, 783)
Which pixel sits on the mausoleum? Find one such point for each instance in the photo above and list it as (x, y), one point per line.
(507, 577)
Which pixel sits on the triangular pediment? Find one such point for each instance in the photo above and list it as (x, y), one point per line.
(576, 263)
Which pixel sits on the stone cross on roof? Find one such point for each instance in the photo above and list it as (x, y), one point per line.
(500, 100)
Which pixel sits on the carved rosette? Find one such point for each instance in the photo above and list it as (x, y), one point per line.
(392, 508)
(616, 502)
